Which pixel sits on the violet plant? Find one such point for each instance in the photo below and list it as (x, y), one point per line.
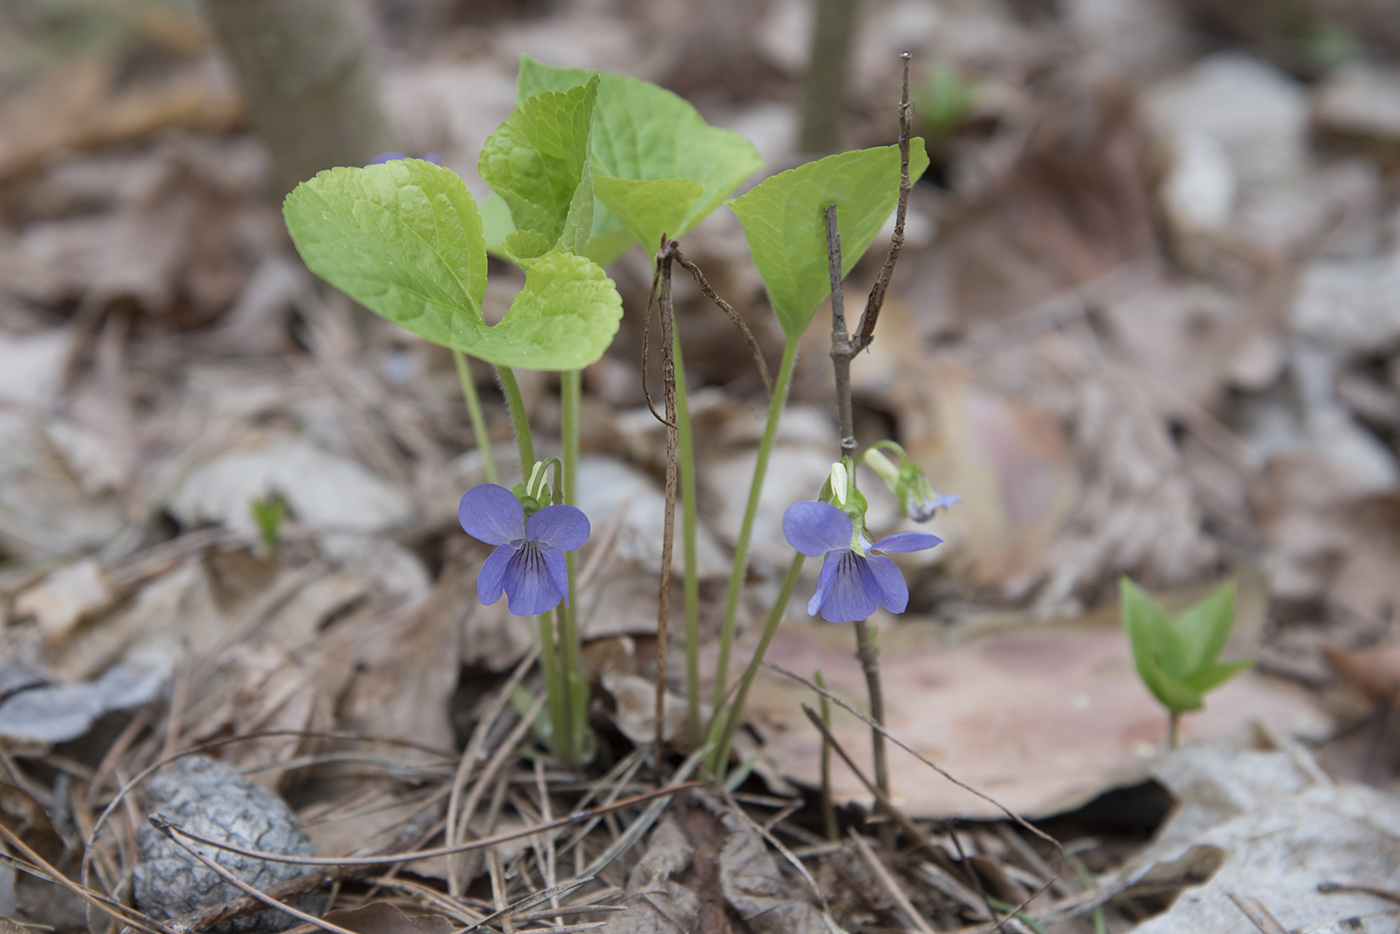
(587, 165)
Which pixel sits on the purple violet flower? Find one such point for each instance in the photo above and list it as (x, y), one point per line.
(853, 582)
(528, 566)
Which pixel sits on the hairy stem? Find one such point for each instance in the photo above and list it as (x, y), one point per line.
(741, 548)
(483, 439)
(518, 419)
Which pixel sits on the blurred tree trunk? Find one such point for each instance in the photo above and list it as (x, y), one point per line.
(312, 89)
(824, 104)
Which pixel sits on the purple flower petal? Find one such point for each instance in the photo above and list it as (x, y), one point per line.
(907, 541)
(386, 157)
(854, 594)
(563, 527)
(558, 570)
(824, 582)
(815, 528)
(491, 582)
(491, 513)
(894, 593)
(529, 586)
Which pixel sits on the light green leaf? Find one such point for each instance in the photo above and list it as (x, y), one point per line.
(404, 239)
(648, 208)
(496, 223)
(1204, 629)
(564, 317)
(523, 246)
(537, 159)
(1172, 694)
(1151, 630)
(1212, 676)
(784, 221)
(646, 133)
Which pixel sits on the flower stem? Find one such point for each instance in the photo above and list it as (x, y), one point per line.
(518, 419)
(554, 689)
(741, 549)
(869, 655)
(689, 527)
(570, 390)
(483, 438)
(561, 692)
(735, 713)
(828, 806)
(1174, 730)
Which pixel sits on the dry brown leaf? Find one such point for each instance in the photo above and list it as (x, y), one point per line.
(1042, 720)
(64, 598)
(1374, 670)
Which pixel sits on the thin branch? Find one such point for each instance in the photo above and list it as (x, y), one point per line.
(906, 185)
(841, 350)
(708, 291)
(841, 354)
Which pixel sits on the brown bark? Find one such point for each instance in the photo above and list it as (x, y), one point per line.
(310, 82)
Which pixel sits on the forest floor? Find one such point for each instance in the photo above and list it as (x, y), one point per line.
(1145, 324)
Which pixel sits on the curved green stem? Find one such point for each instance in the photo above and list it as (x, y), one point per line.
(735, 713)
(741, 549)
(483, 439)
(689, 527)
(518, 419)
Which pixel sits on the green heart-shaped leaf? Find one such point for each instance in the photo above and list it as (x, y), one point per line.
(564, 317)
(784, 220)
(648, 208)
(538, 162)
(642, 132)
(404, 239)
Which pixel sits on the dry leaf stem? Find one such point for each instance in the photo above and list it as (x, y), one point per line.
(668, 377)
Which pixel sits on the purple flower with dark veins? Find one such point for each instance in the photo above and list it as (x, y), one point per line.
(853, 580)
(528, 566)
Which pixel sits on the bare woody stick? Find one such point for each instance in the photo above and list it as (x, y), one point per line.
(843, 351)
(668, 377)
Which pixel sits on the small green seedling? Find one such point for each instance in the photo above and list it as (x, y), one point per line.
(1177, 658)
(268, 513)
